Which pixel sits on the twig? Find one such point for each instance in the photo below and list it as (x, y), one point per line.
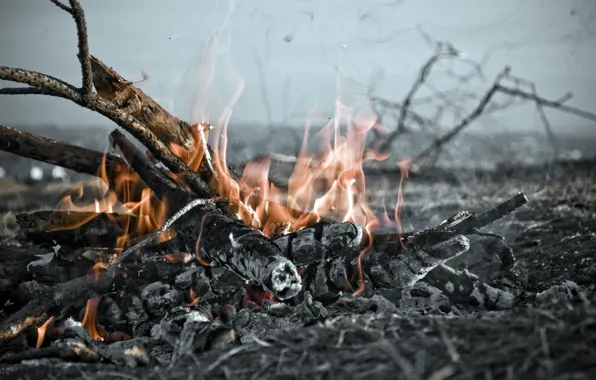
(61, 6)
(84, 58)
(556, 104)
(81, 160)
(28, 91)
(465, 121)
(158, 182)
(76, 11)
(423, 74)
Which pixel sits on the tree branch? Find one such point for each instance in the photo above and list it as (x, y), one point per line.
(77, 13)
(61, 6)
(28, 91)
(556, 104)
(84, 58)
(118, 116)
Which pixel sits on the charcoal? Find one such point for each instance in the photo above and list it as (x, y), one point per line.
(111, 313)
(159, 298)
(199, 334)
(227, 313)
(463, 287)
(28, 290)
(262, 323)
(222, 281)
(360, 305)
(322, 240)
(135, 312)
(129, 352)
(402, 271)
(185, 279)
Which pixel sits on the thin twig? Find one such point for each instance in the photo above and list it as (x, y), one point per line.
(84, 57)
(556, 104)
(465, 121)
(62, 6)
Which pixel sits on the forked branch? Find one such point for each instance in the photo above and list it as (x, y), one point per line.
(137, 124)
(76, 11)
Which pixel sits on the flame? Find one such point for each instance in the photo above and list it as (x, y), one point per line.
(41, 331)
(89, 320)
(193, 298)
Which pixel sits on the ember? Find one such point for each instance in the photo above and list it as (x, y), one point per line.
(172, 256)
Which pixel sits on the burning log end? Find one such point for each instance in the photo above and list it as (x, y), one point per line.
(248, 253)
(284, 280)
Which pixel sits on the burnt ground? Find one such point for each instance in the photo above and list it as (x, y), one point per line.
(552, 336)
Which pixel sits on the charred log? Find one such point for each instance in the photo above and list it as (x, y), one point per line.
(227, 242)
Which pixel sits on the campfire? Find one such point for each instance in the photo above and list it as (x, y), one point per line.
(171, 254)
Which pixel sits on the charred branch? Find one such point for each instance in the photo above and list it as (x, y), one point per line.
(92, 229)
(78, 159)
(161, 185)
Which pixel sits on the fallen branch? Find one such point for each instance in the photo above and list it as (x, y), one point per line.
(78, 159)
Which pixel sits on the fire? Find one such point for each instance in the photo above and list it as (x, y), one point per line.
(89, 320)
(41, 332)
(327, 181)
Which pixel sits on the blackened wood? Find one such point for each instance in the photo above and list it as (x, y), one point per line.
(463, 287)
(65, 228)
(322, 240)
(247, 252)
(470, 225)
(388, 270)
(78, 290)
(13, 268)
(162, 186)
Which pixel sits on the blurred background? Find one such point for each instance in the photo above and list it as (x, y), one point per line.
(274, 62)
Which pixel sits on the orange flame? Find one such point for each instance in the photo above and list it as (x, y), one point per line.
(41, 331)
(89, 320)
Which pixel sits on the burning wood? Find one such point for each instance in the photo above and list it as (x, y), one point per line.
(194, 257)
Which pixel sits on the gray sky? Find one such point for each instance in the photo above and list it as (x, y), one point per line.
(299, 44)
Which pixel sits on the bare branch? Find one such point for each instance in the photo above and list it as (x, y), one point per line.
(557, 104)
(77, 13)
(41, 81)
(118, 116)
(465, 121)
(84, 58)
(442, 51)
(61, 6)
(28, 91)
